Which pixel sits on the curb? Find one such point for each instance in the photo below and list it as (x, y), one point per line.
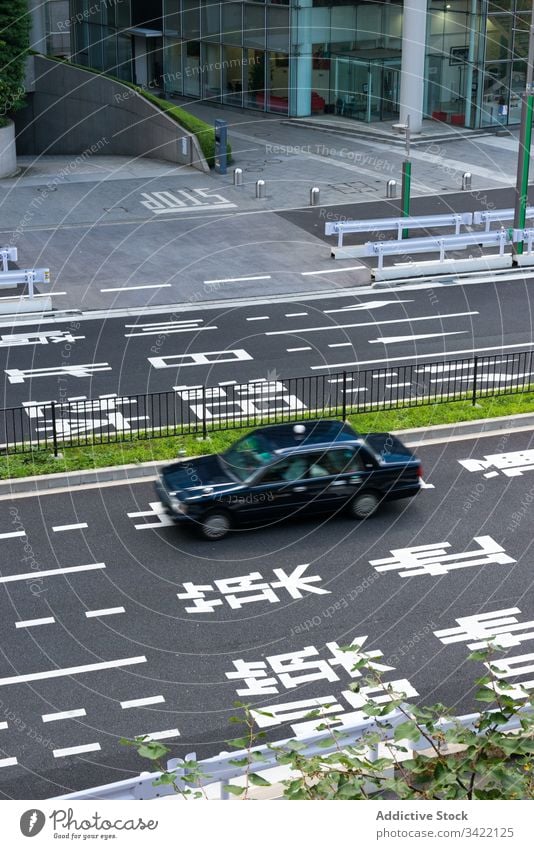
(415, 437)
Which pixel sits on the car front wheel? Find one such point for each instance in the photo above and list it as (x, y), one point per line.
(215, 525)
(364, 505)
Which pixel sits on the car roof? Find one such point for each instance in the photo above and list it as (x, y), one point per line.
(299, 435)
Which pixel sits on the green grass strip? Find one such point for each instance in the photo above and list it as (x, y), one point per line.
(142, 449)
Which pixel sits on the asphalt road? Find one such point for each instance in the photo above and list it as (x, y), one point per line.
(75, 358)
(93, 621)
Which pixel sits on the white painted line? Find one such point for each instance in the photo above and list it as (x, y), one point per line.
(326, 327)
(71, 670)
(425, 485)
(386, 374)
(76, 750)
(13, 534)
(340, 380)
(163, 331)
(295, 314)
(8, 762)
(331, 271)
(58, 528)
(64, 714)
(424, 356)
(3, 726)
(30, 623)
(161, 735)
(7, 579)
(136, 288)
(259, 318)
(370, 305)
(27, 297)
(390, 340)
(239, 279)
(222, 383)
(396, 385)
(341, 345)
(292, 350)
(358, 389)
(150, 700)
(107, 611)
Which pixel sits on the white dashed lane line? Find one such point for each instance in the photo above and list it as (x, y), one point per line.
(58, 528)
(48, 573)
(109, 611)
(76, 750)
(8, 762)
(293, 350)
(64, 714)
(136, 288)
(149, 700)
(341, 345)
(13, 534)
(295, 314)
(72, 670)
(239, 279)
(31, 623)
(258, 318)
(162, 735)
(3, 726)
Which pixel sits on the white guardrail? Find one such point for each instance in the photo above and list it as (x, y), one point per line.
(221, 770)
(455, 219)
(488, 217)
(430, 244)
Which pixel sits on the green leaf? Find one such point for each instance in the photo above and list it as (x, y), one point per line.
(153, 751)
(258, 780)
(234, 789)
(407, 731)
(485, 695)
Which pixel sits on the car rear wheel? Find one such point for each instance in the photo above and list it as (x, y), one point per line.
(364, 505)
(215, 525)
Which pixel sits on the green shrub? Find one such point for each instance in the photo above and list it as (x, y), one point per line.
(14, 44)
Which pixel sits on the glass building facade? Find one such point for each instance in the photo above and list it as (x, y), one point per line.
(314, 56)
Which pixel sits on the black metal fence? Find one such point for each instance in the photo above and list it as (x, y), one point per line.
(207, 409)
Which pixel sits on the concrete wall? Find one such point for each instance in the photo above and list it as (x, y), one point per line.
(8, 156)
(72, 111)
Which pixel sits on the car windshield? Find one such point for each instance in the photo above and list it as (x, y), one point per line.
(247, 456)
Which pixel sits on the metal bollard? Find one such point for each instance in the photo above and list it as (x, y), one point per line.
(260, 188)
(238, 177)
(466, 181)
(391, 189)
(315, 194)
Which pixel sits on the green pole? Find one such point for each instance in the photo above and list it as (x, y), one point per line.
(525, 140)
(406, 180)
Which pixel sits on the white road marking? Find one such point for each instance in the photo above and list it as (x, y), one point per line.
(423, 356)
(292, 350)
(15, 375)
(358, 389)
(200, 359)
(295, 314)
(386, 374)
(396, 385)
(330, 271)
(390, 340)
(425, 485)
(46, 573)
(3, 726)
(107, 611)
(58, 528)
(166, 328)
(258, 318)
(64, 714)
(12, 534)
(161, 735)
(371, 305)
(340, 380)
(150, 700)
(377, 324)
(30, 623)
(72, 670)
(76, 750)
(239, 279)
(341, 345)
(15, 340)
(136, 288)
(8, 762)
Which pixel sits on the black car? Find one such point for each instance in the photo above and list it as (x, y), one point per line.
(289, 469)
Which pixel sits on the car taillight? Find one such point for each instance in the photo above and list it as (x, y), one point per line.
(420, 472)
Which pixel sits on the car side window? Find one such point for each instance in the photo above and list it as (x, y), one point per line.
(342, 460)
(320, 465)
(289, 469)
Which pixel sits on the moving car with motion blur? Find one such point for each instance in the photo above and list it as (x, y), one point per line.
(288, 470)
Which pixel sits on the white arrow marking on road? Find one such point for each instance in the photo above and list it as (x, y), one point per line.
(72, 670)
(370, 323)
(388, 340)
(372, 305)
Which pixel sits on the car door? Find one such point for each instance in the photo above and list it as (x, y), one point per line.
(334, 477)
(276, 491)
